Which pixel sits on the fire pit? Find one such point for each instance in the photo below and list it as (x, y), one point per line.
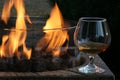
(41, 58)
(37, 44)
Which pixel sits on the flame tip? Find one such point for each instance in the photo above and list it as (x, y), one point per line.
(55, 36)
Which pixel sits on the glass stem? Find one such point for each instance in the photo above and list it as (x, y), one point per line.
(91, 58)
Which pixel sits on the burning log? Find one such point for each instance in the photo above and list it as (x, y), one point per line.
(23, 66)
(42, 61)
(3, 65)
(38, 65)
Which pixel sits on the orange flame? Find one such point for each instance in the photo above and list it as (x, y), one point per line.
(54, 39)
(6, 10)
(16, 38)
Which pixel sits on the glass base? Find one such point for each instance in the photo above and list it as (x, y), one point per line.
(91, 68)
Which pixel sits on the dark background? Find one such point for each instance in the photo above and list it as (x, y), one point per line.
(109, 9)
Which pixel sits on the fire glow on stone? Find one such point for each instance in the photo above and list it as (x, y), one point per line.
(52, 41)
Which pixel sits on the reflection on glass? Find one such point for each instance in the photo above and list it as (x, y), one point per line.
(92, 36)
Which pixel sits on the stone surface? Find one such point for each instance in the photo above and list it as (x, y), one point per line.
(67, 74)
